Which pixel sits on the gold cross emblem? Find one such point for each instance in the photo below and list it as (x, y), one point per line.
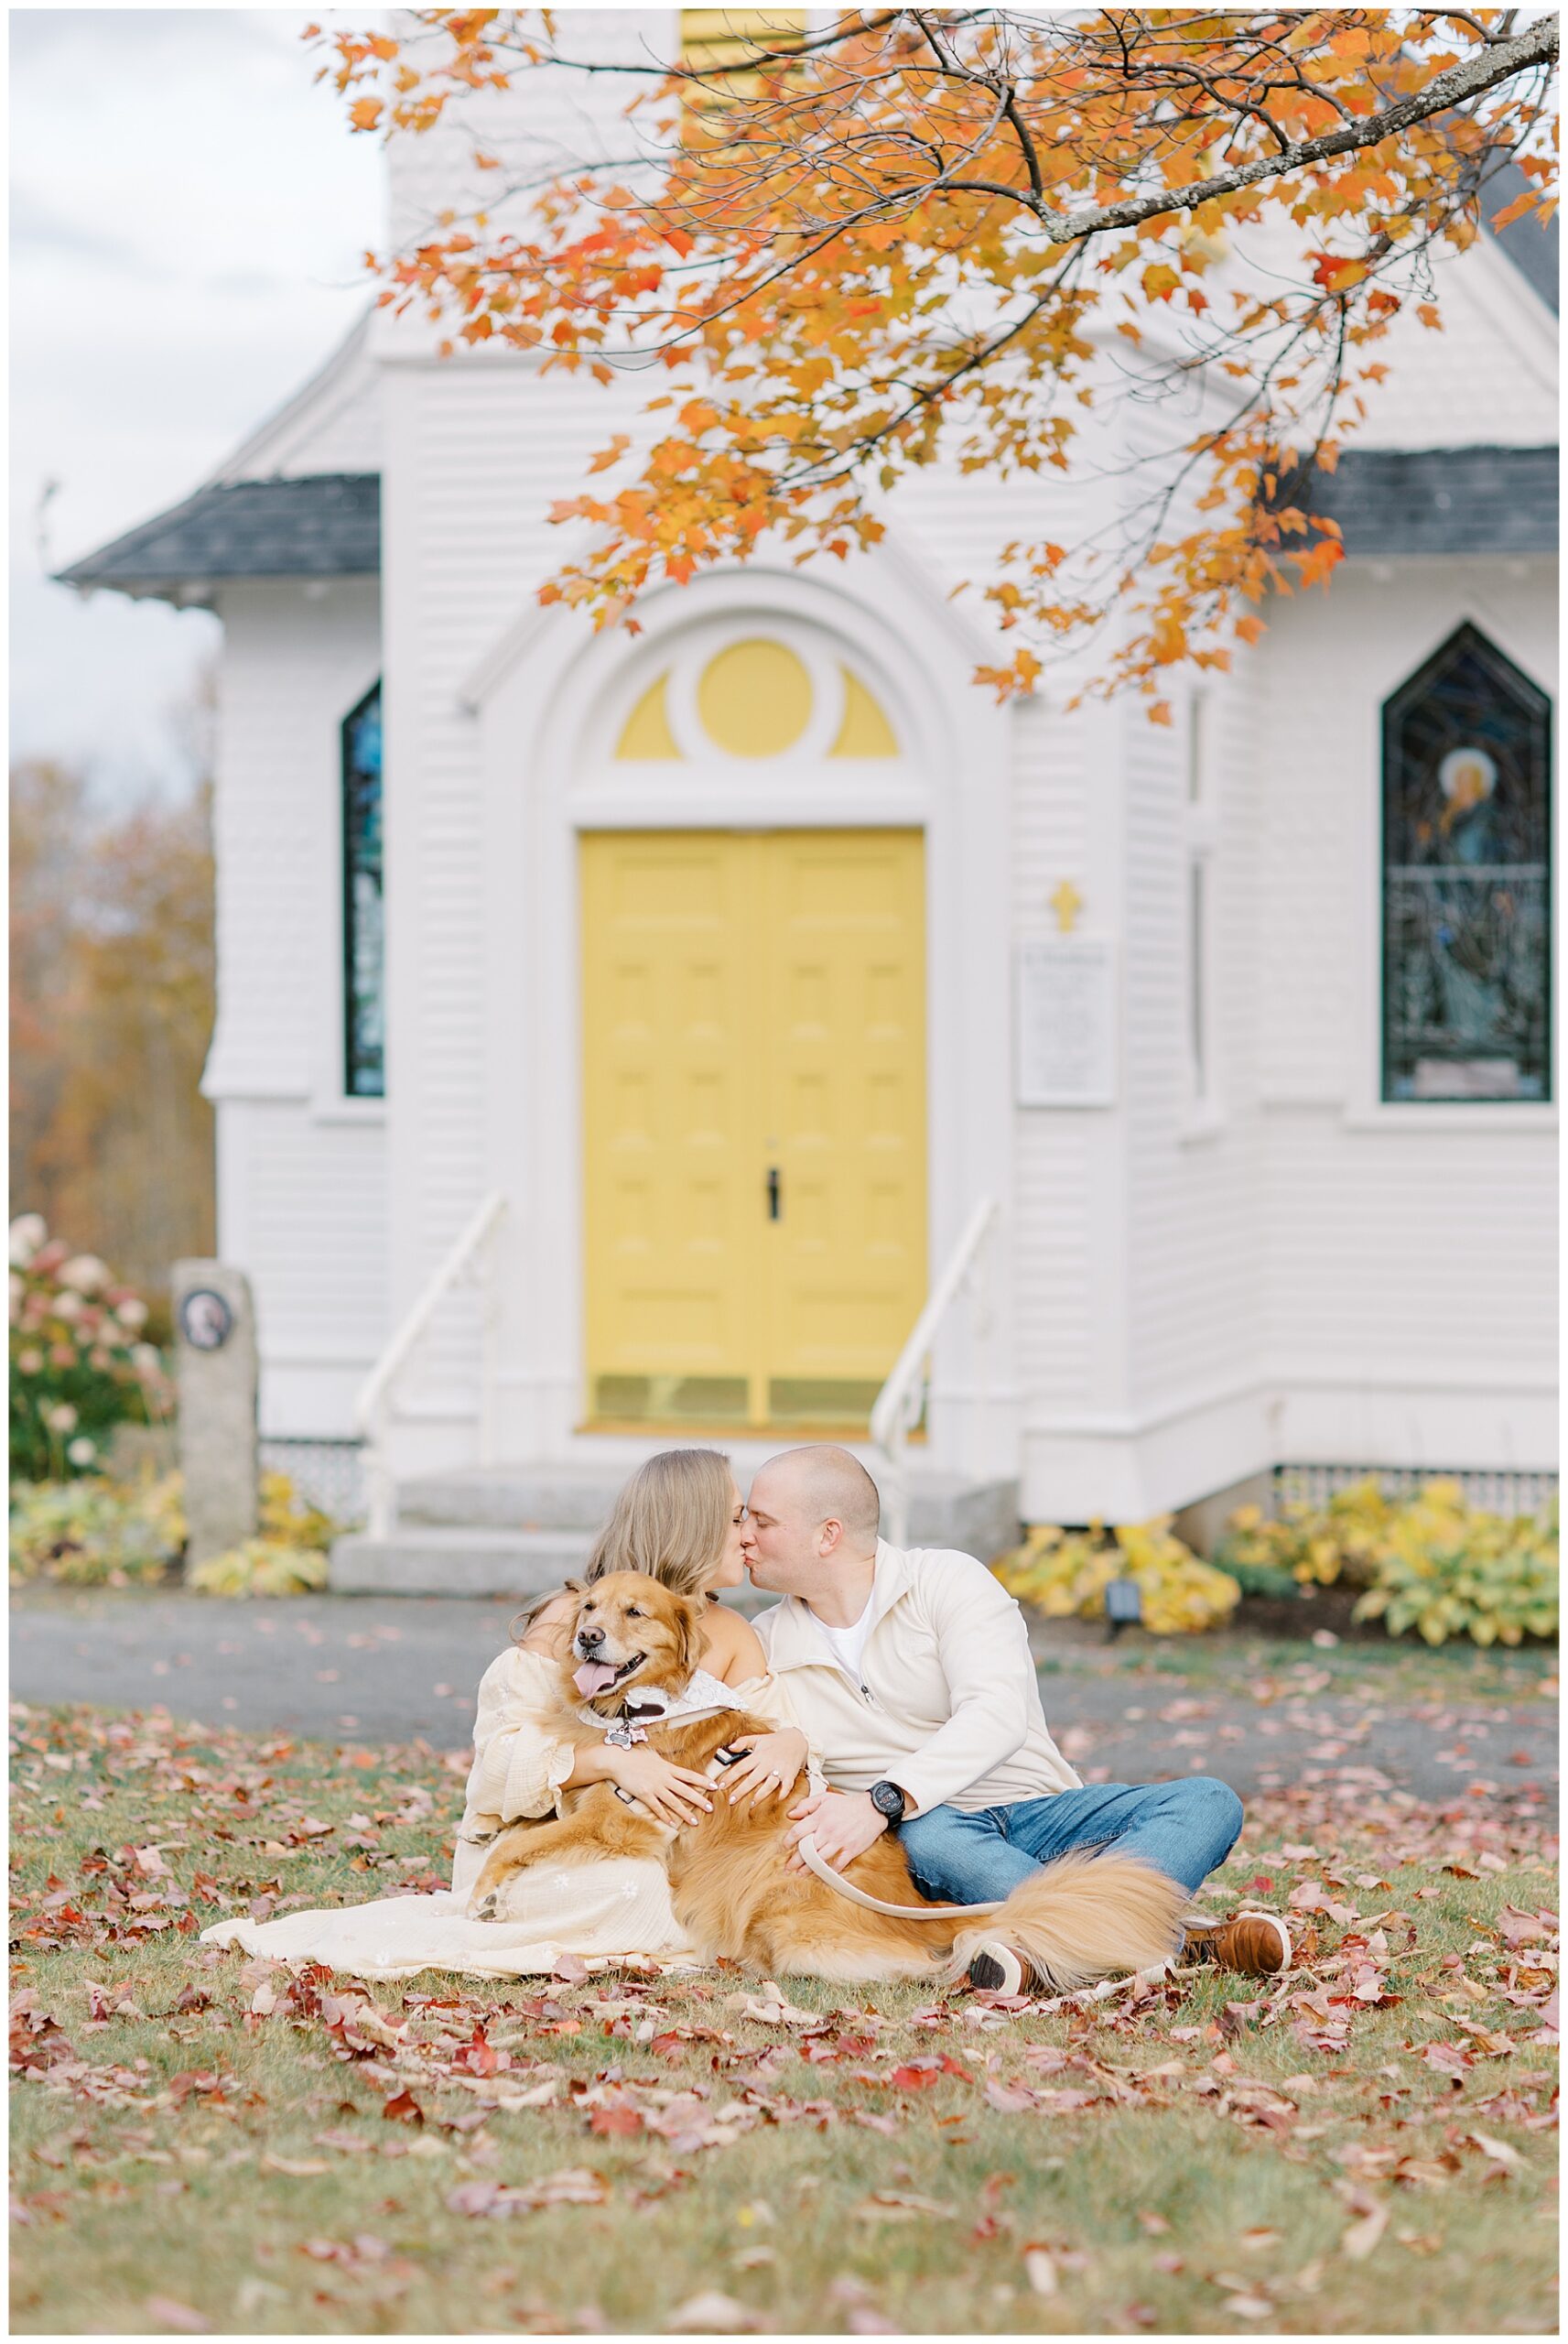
(1066, 903)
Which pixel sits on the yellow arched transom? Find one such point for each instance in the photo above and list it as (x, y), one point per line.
(865, 731)
(646, 732)
(754, 699)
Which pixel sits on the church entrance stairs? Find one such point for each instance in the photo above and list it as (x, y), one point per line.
(517, 1530)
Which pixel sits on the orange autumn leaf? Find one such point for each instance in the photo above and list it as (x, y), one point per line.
(829, 310)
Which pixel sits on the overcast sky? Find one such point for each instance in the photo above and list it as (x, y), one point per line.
(188, 214)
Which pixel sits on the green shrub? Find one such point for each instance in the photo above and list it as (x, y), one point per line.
(1066, 1572)
(79, 1366)
(289, 1557)
(1317, 1545)
(1428, 1561)
(94, 1533)
(261, 1567)
(1447, 1571)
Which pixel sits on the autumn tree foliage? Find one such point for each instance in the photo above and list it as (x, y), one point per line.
(840, 254)
(112, 993)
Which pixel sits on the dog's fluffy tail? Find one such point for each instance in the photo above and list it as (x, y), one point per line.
(1083, 1917)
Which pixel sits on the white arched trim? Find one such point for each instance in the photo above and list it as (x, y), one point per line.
(548, 698)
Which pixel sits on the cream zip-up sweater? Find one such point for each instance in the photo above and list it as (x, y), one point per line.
(947, 1705)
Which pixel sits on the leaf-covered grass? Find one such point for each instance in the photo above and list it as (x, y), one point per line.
(202, 2141)
(1242, 1662)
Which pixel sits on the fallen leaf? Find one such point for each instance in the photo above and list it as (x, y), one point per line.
(402, 2108)
(1040, 2270)
(1362, 2236)
(299, 2167)
(620, 2119)
(165, 2312)
(900, 2206)
(711, 2314)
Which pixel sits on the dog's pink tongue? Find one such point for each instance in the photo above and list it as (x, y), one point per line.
(593, 1677)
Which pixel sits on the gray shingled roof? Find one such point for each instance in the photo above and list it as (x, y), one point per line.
(1532, 248)
(1439, 499)
(327, 524)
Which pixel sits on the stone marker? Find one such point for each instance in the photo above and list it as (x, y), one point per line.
(215, 1329)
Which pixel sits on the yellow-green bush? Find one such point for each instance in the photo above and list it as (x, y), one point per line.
(1066, 1572)
(1428, 1561)
(261, 1567)
(96, 1532)
(1318, 1546)
(289, 1557)
(1447, 1571)
(292, 1520)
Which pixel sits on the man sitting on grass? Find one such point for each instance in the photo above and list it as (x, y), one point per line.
(911, 1672)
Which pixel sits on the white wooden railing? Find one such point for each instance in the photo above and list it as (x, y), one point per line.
(902, 1402)
(372, 1408)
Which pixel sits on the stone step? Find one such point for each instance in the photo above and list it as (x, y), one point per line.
(453, 1558)
(513, 1497)
(946, 1509)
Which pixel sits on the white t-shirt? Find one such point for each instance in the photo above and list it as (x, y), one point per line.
(847, 1644)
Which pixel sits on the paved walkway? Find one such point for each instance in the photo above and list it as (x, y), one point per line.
(373, 1669)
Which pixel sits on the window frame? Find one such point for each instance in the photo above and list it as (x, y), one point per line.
(353, 1097)
(1391, 712)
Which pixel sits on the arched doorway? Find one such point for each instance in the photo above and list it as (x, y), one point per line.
(753, 1051)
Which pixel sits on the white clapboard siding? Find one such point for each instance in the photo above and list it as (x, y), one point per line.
(301, 1173)
(1194, 1233)
(1408, 1245)
(1053, 1263)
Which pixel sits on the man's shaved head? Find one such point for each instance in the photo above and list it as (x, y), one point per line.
(824, 1483)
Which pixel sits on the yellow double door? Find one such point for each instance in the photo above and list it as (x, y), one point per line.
(754, 1122)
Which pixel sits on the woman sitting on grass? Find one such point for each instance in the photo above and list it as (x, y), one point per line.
(681, 1519)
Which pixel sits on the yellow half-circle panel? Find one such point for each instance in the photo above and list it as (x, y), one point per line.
(646, 732)
(754, 699)
(865, 731)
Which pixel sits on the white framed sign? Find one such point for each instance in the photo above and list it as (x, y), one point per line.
(1065, 1022)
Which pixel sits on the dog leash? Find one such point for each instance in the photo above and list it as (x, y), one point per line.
(824, 1870)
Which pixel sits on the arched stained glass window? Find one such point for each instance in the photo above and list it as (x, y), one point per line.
(1467, 858)
(365, 1000)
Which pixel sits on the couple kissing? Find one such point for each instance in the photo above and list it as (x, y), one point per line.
(650, 1769)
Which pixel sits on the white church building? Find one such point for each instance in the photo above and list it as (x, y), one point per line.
(746, 1030)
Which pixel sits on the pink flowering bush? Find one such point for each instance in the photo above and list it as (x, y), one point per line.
(79, 1366)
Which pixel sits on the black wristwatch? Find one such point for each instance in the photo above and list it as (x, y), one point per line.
(889, 1801)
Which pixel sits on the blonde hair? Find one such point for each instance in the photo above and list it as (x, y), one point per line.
(670, 1520)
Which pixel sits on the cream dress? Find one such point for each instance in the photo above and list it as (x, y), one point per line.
(597, 1912)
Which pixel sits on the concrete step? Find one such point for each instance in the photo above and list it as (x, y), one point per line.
(513, 1497)
(571, 1501)
(451, 1558)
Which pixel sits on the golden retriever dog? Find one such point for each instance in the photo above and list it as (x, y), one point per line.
(1078, 1920)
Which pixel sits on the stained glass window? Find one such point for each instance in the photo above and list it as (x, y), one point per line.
(364, 996)
(1466, 852)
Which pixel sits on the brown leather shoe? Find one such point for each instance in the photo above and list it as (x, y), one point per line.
(1258, 1945)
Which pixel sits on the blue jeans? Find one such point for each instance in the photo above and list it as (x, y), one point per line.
(1182, 1828)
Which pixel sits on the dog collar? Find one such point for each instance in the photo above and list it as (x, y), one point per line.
(651, 1705)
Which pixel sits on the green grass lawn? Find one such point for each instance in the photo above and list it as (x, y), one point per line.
(201, 2142)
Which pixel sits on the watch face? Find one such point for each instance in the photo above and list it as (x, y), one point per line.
(887, 1799)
